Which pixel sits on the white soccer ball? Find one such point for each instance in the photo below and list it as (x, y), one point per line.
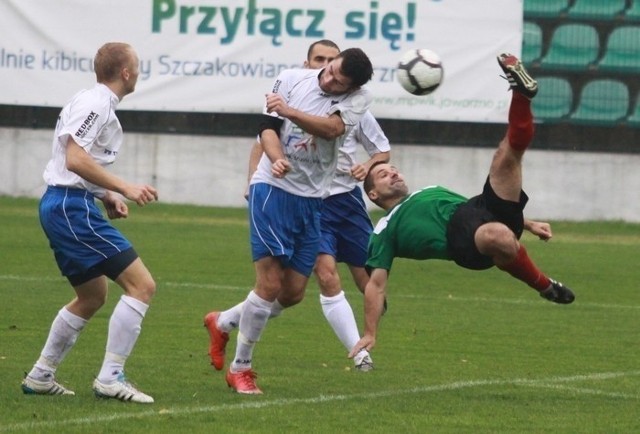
(420, 71)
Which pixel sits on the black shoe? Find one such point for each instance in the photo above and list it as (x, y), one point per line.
(558, 293)
(518, 77)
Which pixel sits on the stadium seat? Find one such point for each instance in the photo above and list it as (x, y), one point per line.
(596, 9)
(531, 42)
(545, 8)
(602, 101)
(633, 13)
(634, 119)
(622, 52)
(553, 101)
(572, 46)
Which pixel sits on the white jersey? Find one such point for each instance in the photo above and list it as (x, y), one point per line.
(367, 134)
(313, 159)
(90, 120)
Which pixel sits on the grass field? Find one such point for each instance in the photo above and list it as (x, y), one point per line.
(458, 351)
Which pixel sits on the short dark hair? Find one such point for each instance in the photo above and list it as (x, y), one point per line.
(356, 65)
(367, 185)
(325, 42)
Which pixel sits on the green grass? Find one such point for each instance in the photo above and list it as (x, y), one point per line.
(458, 351)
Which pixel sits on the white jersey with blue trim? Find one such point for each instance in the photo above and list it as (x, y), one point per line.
(313, 159)
(90, 120)
(370, 136)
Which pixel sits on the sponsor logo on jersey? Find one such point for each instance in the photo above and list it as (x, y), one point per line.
(276, 86)
(87, 125)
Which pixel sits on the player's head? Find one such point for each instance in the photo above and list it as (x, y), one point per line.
(320, 53)
(117, 62)
(384, 185)
(347, 72)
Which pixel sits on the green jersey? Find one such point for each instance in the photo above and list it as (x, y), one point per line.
(416, 228)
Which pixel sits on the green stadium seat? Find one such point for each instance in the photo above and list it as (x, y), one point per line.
(531, 42)
(545, 8)
(634, 119)
(622, 52)
(633, 13)
(572, 46)
(596, 9)
(554, 99)
(602, 102)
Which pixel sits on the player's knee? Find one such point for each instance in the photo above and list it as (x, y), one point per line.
(143, 290)
(92, 303)
(496, 239)
(290, 298)
(328, 279)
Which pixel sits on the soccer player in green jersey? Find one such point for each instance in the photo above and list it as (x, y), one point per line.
(476, 233)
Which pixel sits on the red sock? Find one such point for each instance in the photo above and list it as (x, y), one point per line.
(520, 132)
(524, 269)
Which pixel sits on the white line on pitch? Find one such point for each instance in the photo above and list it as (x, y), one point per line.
(391, 295)
(46, 425)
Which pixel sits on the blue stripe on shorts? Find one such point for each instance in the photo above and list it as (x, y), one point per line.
(345, 228)
(285, 226)
(78, 233)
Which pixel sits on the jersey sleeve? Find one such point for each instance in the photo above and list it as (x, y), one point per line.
(353, 107)
(370, 135)
(85, 119)
(381, 251)
(282, 87)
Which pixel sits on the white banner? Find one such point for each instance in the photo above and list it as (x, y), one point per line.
(223, 55)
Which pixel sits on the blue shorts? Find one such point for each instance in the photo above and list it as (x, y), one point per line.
(345, 227)
(285, 226)
(78, 233)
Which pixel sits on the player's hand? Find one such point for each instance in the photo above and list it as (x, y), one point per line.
(276, 104)
(280, 168)
(367, 342)
(359, 172)
(141, 194)
(116, 208)
(541, 229)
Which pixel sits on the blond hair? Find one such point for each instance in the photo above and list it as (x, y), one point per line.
(110, 59)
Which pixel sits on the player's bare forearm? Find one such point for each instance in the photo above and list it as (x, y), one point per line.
(374, 295)
(321, 126)
(540, 229)
(359, 171)
(254, 158)
(271, 145)
(82, 164)
(328, 128)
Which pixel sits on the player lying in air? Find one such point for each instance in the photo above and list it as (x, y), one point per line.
(476, 233)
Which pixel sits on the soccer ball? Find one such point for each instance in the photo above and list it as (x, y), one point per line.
(420, 71)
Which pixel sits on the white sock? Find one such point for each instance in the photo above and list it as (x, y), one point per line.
(124, 328)
(62, 336)
(276, 309)
(230, 318)
(338, 312)
(253, 320)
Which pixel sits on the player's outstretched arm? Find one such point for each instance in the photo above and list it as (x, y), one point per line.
(81, 163)
(540, 229)
(374, 296)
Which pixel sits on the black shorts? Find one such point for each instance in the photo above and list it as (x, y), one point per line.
(112, 268)
(469, 216)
